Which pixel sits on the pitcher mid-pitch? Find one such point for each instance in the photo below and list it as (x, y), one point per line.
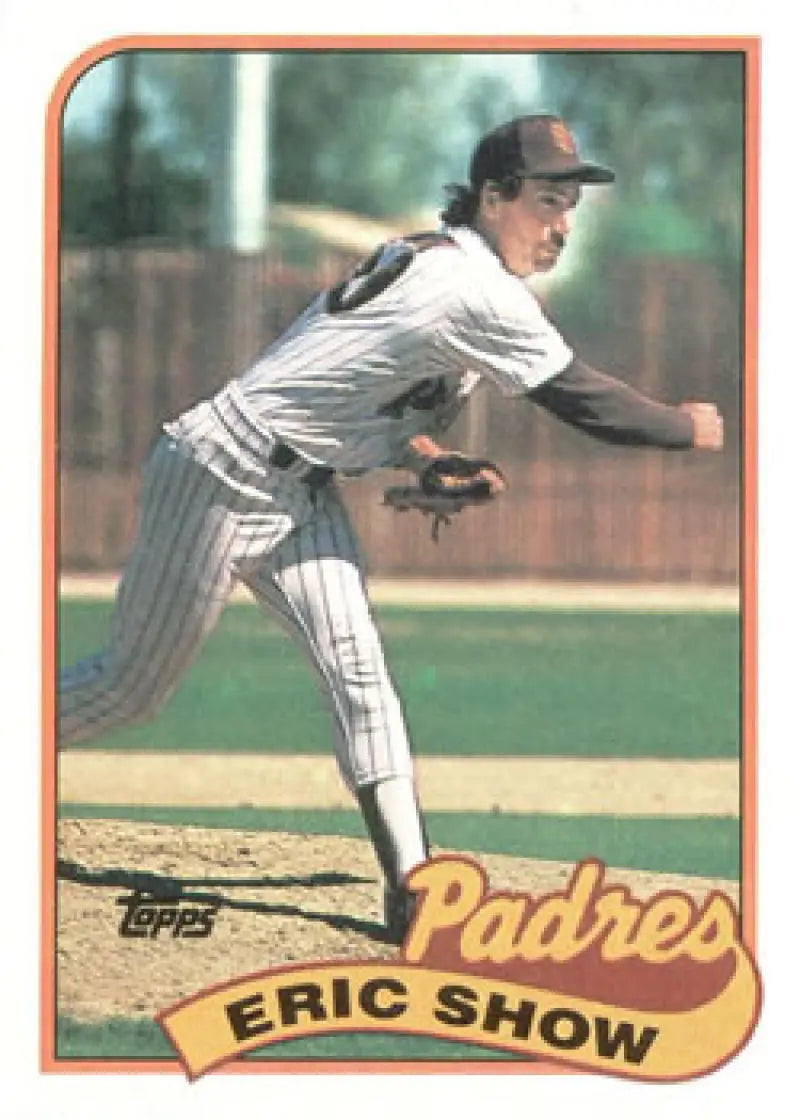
(243, 486)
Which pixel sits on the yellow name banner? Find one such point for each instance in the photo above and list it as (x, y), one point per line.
(276, 1005)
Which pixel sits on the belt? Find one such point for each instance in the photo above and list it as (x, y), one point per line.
(284, 458)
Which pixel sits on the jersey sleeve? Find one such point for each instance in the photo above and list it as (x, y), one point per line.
(506, 337)
(611, 410)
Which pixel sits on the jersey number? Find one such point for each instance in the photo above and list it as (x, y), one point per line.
(373, 276)
(376, 273)
(422, 397)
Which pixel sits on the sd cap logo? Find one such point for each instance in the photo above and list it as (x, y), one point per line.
(561, 137)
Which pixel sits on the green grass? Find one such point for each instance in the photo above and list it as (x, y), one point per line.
(111, 1038)
(524, 682)
(706, 846)
(144, 1039)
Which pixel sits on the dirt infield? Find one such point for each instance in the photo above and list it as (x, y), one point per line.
(281, 898)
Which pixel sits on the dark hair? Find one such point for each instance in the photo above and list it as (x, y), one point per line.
(464, 201)
(462, 205)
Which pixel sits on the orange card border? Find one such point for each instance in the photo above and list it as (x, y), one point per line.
(750, 47)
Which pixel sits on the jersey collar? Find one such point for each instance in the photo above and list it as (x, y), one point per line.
(474, 245)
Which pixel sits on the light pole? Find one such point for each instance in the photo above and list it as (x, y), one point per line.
(239, 151)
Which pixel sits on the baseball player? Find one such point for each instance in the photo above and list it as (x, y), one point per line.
(243, 487)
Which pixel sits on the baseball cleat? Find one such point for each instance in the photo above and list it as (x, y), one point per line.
(399, 905)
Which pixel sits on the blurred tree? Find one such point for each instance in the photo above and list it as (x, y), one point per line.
(161, 203)
(378, 133)
(670, 124)
(361, 131)
(125, 178)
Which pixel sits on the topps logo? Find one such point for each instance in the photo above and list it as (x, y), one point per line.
(146, 916)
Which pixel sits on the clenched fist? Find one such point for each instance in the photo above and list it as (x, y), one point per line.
(707, 427)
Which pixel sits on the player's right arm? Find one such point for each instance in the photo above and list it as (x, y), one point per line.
(612, 411)
(500, 331)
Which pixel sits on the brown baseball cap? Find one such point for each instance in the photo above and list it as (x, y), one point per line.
(534, 147)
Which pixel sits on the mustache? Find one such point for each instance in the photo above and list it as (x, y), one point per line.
(557, 240)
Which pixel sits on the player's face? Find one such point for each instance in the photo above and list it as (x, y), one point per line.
(529, 232)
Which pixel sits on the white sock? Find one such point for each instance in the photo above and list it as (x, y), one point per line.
(394, 822)
(397, 805)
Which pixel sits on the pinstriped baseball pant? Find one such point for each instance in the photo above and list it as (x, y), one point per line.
(199, 533)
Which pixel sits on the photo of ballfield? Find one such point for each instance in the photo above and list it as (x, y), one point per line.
(566, 652)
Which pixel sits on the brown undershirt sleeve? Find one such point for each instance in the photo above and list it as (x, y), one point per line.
(610, 410)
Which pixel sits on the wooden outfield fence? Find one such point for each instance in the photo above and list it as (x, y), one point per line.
(146, 332)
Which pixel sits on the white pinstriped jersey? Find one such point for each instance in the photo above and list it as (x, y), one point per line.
(392, 353)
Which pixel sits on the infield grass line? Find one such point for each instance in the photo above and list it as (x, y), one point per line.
(702, 846)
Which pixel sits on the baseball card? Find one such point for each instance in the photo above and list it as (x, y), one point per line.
(398, 553)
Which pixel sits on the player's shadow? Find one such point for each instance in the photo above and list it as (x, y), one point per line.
(167, 887)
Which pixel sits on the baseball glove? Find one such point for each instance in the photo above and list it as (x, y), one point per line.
(446, 486)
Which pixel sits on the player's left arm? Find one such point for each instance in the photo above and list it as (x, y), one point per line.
(612, 411)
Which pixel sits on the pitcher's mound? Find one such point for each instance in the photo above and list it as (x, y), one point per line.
(280, 897)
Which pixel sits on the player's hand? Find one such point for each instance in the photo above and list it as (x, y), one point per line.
(424, 450)
(496, 481)
(707, 427)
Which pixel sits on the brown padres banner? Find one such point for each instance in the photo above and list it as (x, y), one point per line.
(588, 976)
